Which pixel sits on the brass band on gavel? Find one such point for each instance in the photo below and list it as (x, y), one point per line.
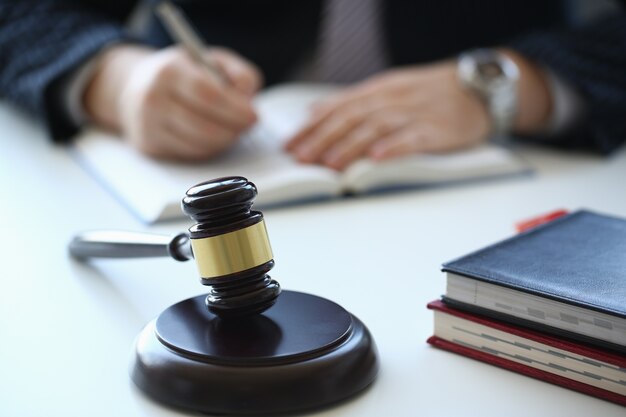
(232, 252)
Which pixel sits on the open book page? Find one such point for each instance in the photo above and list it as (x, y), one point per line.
(153, 189)
(476, 163)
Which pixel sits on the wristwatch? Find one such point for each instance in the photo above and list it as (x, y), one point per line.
(493, 77)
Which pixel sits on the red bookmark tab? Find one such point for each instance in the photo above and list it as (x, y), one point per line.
(539, 220)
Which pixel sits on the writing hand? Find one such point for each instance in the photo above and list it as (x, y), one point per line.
(167, 105)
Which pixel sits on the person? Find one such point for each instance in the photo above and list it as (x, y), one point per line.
(70, 63)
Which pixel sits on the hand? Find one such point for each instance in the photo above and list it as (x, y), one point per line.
(419, 109)
(167, 105)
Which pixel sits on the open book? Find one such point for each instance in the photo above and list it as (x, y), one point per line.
(153, 189)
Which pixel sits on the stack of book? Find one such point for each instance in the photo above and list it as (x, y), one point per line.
(549, 303)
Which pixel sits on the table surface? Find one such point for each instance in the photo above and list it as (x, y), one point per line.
(67, 329)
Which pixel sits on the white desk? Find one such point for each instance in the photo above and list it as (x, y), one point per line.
(67, 330)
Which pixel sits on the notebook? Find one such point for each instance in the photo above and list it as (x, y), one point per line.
(153, 189)
(567, 278)
(579, 367)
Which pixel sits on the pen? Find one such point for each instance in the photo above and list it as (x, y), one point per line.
(182, 32)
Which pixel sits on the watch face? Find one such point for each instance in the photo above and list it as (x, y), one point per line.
(488, 71)
(493, 77)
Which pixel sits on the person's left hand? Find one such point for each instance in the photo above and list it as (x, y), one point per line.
(403, 111)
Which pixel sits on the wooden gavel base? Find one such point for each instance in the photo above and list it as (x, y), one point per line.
(305, 352)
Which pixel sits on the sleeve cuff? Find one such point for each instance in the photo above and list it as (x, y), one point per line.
(73, 88)
(568, 107)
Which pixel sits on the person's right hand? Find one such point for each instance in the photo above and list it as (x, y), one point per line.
(169, 106)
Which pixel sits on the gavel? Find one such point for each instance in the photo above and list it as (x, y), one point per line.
(229, 243)
(302, 352)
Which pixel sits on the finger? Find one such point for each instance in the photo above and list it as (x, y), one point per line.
(348, 150)
(322, 116)
(214, 100)
(357, 143)
(244, 75)
(160, 142)
(377, 86)
(371, 95)
(307, 130)
(185, 148)
(198, 129)
(409, 140)
(213, 103)
(330, 131)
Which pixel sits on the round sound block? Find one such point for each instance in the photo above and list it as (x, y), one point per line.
(304, 352)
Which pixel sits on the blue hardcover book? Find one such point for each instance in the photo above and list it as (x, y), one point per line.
(567, 277)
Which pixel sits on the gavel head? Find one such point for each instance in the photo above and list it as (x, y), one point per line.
(231, 247)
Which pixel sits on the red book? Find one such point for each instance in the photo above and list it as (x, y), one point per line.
(590, 370)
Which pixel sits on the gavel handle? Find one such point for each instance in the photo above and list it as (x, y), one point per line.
(120, 244)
